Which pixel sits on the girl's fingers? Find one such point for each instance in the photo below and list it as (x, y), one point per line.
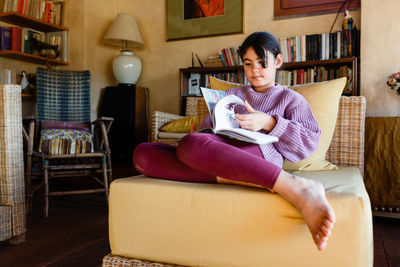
(249, 108)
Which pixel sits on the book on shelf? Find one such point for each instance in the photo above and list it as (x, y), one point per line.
(5, 38)
(221, 109)
(16, 34)
(322, 46)
(50, 11)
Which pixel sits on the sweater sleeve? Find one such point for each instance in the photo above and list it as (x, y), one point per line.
(298, 133)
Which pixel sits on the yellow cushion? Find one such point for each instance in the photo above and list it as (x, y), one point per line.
(222, 85)
(323, 99)
(194, 224)
(182, 125)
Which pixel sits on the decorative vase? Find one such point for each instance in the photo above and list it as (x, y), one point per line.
(127, 67)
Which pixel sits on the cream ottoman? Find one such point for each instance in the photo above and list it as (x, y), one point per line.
(226, 225)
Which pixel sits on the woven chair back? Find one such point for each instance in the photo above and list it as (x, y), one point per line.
(63, 95)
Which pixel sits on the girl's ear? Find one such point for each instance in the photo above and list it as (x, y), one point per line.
(278, 61)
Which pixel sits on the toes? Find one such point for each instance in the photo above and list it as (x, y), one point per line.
(331, 216)
(328, 224)
(325, 231)
(320, 241)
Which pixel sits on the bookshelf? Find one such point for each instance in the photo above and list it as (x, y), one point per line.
(185, 77)
(21, 20)
(351, 62)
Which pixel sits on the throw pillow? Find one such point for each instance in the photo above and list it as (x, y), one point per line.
(323, 99)
(222, 85)
(58, 137)
(183, 125)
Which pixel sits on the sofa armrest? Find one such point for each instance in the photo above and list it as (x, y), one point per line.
(159, 119)
(347, 146)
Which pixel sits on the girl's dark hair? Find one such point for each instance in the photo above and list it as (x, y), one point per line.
(261, 42)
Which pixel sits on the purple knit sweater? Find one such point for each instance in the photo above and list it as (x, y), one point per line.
(296, 127)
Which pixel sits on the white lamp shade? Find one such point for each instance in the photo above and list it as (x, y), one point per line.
(124, 32)
(127, 67)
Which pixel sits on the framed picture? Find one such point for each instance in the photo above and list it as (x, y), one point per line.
(203, 18)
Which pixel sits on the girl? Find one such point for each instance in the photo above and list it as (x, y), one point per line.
(269, 108)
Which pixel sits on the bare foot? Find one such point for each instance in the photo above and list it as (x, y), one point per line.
(309, 198)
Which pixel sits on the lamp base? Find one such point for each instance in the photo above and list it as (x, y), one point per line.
(127, 67)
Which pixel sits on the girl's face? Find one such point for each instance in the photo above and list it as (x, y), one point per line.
(260, 78)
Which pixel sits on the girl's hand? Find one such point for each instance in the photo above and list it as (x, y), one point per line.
(255, 120)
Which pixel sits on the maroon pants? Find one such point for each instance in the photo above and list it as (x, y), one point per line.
(201, 157)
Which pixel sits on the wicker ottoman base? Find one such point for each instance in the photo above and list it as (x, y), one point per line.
(117, 261)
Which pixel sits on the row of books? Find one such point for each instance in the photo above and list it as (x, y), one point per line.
(322, 46)
(230, 57)
(198, 80)
(315, 74)
(45, 10)
(30, 41)
(227, 57)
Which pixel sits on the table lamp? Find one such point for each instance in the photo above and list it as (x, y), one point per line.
(125, 33)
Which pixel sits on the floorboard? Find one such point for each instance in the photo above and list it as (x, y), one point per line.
(76, 233)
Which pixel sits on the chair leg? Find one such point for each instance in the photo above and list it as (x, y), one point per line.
(109, 168)
(46, 188)
(105, 178)
(28, 185)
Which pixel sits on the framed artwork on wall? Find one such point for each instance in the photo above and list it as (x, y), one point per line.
(203, 18)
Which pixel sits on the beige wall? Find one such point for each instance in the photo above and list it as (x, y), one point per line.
(380, 55)
(88, 21)
(161, 60)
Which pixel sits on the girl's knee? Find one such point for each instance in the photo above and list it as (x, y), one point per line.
(189, 147)
(140, 156)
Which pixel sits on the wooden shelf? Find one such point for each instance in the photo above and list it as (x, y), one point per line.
(338, 61)
(211, 69)
(16, 18)
(32, 58)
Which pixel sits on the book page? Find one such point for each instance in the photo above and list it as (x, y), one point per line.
(224, 113)
(211, 97)
(248, 136)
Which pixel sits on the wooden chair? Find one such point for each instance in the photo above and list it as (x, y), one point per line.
(64, 96)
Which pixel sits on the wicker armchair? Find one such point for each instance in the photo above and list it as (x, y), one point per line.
(194, 106)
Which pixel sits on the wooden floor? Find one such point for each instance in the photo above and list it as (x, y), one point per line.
(76, 234)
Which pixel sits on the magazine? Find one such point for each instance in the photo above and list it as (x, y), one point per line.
(221, 108)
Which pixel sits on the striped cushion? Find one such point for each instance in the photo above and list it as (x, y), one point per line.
(65, 141)
(59, 137)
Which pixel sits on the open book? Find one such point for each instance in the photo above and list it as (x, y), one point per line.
(221, 107)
